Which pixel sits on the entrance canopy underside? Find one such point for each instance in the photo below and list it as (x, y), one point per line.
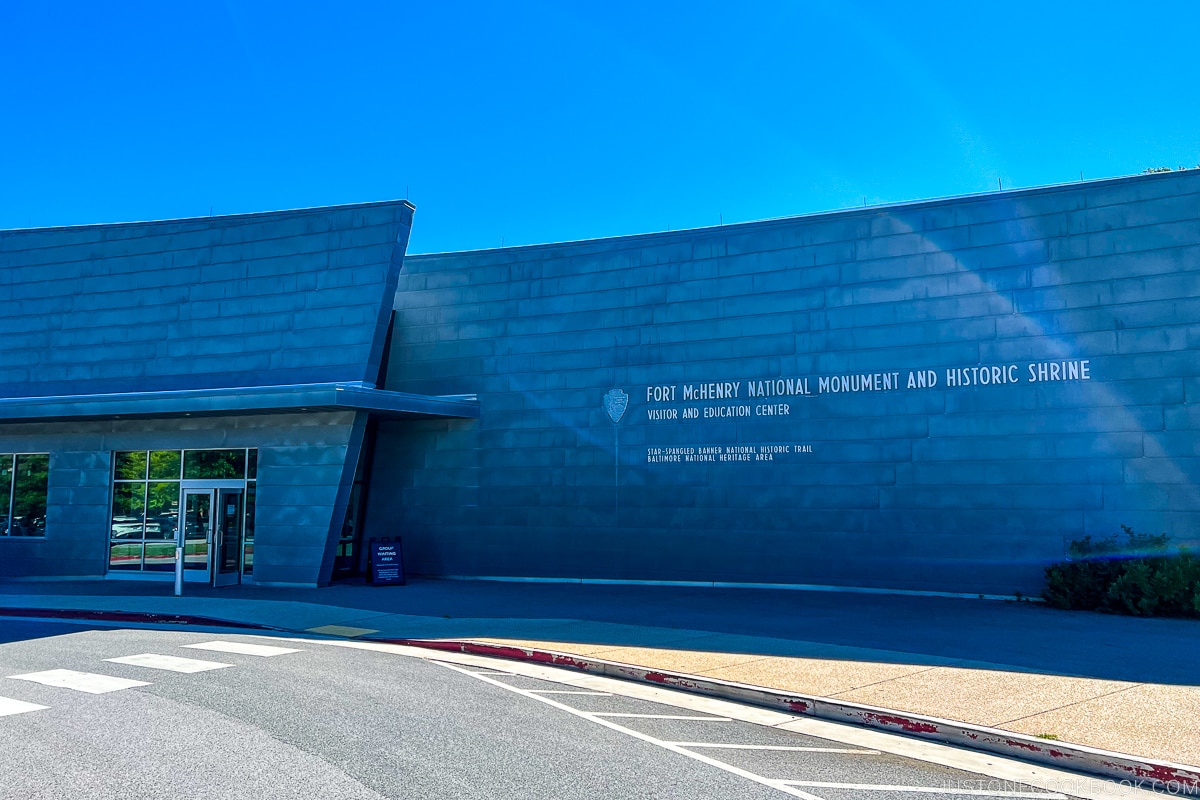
(242, 400)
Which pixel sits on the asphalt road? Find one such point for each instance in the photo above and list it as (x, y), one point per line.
(307, 719)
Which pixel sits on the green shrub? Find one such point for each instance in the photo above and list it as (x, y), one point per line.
(1133, 592)
(1176, 583)
(1080, 585)
(1137, 575)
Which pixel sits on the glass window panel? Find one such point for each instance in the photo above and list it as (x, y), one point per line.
(251, 464)
(29, 495)
(129, 507)
(125, 555)
(165, 464)
(211, 464)
(162, 511)
(248, 531)
(160, 556)
(6, 462)
(131, 466)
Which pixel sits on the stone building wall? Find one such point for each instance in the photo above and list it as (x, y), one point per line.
(974, 382)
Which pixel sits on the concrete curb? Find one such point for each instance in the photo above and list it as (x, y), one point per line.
(133, 616)
(1130, 770)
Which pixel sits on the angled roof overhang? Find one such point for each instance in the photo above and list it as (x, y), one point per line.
(235, 401)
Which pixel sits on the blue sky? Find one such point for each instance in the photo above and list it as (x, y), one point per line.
(523, 122)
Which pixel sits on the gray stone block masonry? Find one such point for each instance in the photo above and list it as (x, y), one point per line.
(930, 396)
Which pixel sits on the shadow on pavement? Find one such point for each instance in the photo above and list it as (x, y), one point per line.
(916, 630)
(22, 630)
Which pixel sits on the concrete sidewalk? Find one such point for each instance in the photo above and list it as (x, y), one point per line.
(1122, 684)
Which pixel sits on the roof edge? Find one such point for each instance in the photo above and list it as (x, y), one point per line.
(814, 216)
(248, 215)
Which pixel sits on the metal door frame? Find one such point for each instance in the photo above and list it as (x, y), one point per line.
(210, 488)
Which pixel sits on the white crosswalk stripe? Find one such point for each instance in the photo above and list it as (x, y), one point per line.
(243, 649)
(171, 663)
(9, 706)
(88, 682)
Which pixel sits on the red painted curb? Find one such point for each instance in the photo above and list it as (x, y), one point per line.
(130, 616)
(1129, 770)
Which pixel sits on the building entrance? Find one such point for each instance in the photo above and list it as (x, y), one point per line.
(210, 524)
(201, 499)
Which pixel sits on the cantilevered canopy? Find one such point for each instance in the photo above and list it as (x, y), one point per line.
(243, 400)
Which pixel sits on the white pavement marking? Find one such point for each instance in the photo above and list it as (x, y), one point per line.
(245, 649)
(172, 663)
(505, 674)
(658, 716)
(720, 746)
(88, 682)
(793, 791)
(988, 764)
(9, 706)
(620, 688)
(871, 787)
(569, 691)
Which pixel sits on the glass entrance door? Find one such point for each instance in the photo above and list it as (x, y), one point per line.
(210, 522)
(227, 554)
(196, 528)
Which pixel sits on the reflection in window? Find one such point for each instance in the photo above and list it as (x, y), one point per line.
(126, 555)
(131, 466)
(29, 495)
(129, 510)
(162, 510)
(213, 464)
(165, 465)
(24, 479)
(160, 556)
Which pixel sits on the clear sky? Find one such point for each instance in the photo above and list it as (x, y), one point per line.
(522, 122)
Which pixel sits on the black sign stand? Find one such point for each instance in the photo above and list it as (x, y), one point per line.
(386, 562)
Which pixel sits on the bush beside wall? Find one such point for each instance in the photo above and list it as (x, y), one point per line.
(1137, 575)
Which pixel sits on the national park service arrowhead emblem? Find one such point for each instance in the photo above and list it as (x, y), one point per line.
(615, 403)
